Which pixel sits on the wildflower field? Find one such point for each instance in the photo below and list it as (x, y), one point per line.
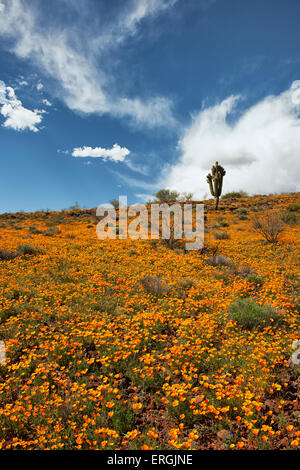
(122, 344)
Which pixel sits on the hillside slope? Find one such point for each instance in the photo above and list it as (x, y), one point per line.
(123, 344)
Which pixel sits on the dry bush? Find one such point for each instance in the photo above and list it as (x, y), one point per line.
(221, 235)
(218, 260)
(154, 285)
(52, 231)
(269, 225)
(6, 255)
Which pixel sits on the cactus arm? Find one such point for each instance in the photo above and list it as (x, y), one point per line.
(209, 180)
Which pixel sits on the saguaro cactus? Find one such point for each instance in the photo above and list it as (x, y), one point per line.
(215, 181)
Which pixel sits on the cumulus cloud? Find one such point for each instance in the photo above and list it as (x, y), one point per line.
(260, 150)
(76, 57)
(23, 83)
(115, 154)
(47, 103)
(39, 86)
(16, 116)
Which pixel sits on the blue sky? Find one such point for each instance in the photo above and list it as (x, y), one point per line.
(107, 98)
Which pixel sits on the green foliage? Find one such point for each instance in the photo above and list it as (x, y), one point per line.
(255, 279)
(242, 211)
(221, 235)
(75, 207)
(288, 217)
(293, 207)
(166, 196)
(249, 315)
(114, 203)
(186, 197)
(154, 285)
(6, 255)
(52, 231)
(34, 230)
(27, 249)
(123, 418)
(235, 195)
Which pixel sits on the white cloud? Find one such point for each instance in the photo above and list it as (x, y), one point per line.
(39, 86)
(76, 57)
(116, 153)
(260, 151)
(47, 103)
(140, 9)
(16, 116)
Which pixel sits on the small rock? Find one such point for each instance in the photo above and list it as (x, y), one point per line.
(223, 435)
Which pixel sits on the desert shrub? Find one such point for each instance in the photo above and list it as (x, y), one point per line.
(249, 315)
(293, 207)
(221, 222)
(221, 235)
(243, 270)
(243, 217)
(186, 197)
(34, 230)
(269, 226)
(224, 224)
(154, 285)
(51, 231)
(6, 255)
(235, 194)
(27, 249)
(288, 217)
(131, 252)
(166, 195)
(179, 251)
(218, 260)
(242, 211)
(255, 279)
(186, 283)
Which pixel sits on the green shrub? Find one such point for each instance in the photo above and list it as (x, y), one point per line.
(6, 255)
(35, 230)
(249, 315)
(27, 250)
(293, 207)
(224, 224)
(52, 231)
(221, 235)
(242, 211)
(235, 194)
(288, 217)
(186, 283)
(154, 285)
(255, 279)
